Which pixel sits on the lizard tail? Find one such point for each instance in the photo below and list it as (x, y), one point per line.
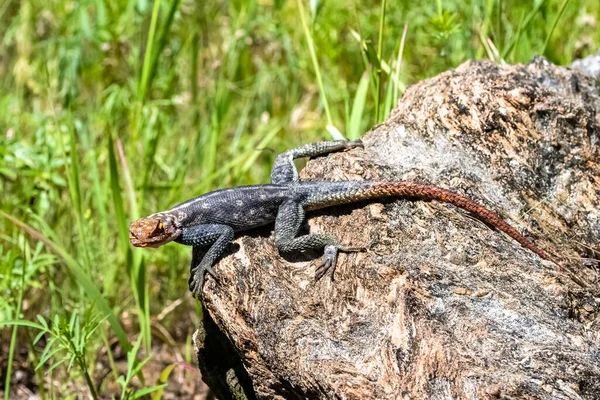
(380, 189)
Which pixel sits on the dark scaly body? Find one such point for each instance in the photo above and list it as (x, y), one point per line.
(242, 207)
(212, 219)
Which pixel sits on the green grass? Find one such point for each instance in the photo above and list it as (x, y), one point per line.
(114, 109)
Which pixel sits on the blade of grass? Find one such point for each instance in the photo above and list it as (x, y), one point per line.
(162, 381)
(162, 41)
(13, 337)
(494, 51)
(397, 90)
(98, 196)
(378, 72)
(153, 49)
(491, 50)
(144, 78)
(522, 27)
(138, 270)
(117, 200)
(195, 50)
(499, 26)
(144, 81)
(487, 21)
(333, 131)
(373, 65)
(364, 47)
(4, 7)
(79, 273)
(558, 17)
(74, 180)
(358, 106)
(74, 185)
(151, 136)
(23, 322)
(128, 182)
(367, 51)
(388, 101)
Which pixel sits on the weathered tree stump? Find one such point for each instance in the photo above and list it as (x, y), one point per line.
(440, 305)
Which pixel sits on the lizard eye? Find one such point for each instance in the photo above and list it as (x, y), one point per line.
(158, 229)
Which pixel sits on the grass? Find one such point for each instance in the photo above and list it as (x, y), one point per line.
(114, 109)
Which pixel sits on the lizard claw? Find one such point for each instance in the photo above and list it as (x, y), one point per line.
(329, 263)
(197, 278)
(195, 284)
(327, 266)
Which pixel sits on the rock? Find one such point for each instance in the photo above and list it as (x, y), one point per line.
(589, 65)
(440, 305)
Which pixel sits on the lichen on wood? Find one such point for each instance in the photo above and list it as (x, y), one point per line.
(440, 305)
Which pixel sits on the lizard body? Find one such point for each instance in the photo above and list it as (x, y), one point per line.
(211, 220)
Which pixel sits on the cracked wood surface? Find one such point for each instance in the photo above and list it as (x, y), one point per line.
(440, 305)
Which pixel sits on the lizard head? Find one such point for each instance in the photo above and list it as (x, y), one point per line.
(153, 231)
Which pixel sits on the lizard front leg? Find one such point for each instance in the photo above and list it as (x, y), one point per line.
(284, 170)
(217, 237)
(287, 224)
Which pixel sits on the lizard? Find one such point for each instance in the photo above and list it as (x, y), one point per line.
(212, 219)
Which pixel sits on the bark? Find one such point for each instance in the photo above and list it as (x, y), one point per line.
(439, 305)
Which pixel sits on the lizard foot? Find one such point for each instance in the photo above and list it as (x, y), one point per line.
(197, 278)
(327, 266)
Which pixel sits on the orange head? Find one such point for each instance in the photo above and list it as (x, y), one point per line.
(153, 231)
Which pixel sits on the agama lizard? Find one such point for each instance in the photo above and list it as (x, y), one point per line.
(211, 220)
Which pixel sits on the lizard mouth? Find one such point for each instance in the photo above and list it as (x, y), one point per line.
(152, 231)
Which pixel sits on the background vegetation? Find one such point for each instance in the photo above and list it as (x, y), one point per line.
(114, 109)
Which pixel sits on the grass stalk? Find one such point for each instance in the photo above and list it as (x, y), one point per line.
(144, 82)
(487, 21)
(554, 24)
(522, 28)
(379, 83)
(138, 270)
(396, 83)
(13, 337)
(162, 42)
(336, 135)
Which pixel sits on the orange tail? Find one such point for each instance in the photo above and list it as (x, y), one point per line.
(430, 192)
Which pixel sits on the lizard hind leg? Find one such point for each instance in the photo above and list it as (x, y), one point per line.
(287, 225)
